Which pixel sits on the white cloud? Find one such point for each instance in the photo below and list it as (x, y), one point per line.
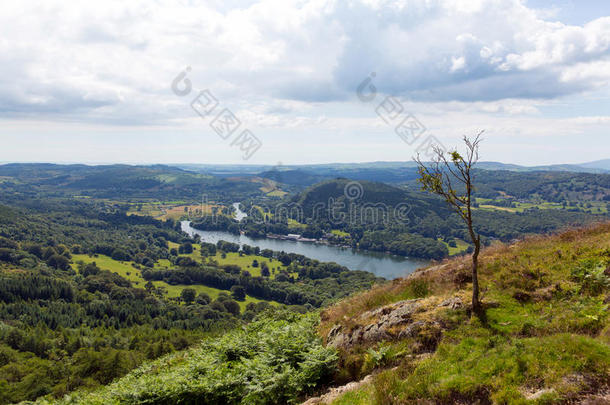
(81, 58)
(292, 66)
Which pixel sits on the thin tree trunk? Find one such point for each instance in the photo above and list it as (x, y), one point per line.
(476, 239)
(476, 303)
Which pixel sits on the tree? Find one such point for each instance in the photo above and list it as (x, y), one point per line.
(186, 248)
(203, 298)
(238, 292)
(188, 295)
(439, 176)
(265, 269)
(59, 262)
(232, 307)
(120, 255)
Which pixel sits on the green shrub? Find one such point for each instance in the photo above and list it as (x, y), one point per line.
(275, 359)
(589, 274)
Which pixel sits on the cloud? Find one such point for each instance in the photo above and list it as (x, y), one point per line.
(113, 61)
(489, 51)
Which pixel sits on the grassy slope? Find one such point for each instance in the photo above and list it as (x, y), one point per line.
(461, 246)
(546, 335)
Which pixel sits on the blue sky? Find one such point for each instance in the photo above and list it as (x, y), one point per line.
(88, 82)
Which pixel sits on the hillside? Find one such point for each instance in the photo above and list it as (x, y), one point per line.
(365, 192)
(121, 182)
(545, 337)
(386, 218)
(93, 292)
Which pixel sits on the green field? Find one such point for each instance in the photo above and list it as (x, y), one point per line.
(597, 207)
(245, 262)
(126, 270)
(340, 233)
(460, 248)
(277, 193)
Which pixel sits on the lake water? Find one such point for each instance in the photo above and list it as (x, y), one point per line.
(384, 265)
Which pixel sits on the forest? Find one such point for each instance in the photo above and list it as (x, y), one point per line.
(69, 323)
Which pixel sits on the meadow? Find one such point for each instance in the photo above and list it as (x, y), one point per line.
(131, 273)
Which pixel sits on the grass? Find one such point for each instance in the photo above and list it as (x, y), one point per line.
(245, 262)
(359, 397)
(277, 193)
(461, 246)
(126, 270)
(271, 189)
(545, 332)
(234, 258)
(340, 233)
(597, 207)
(508, 368)
(175, 290)
(175, 210)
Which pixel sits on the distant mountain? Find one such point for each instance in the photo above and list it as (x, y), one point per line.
(123, 181)
(389, 172)
(293, 177)
(598, 164)
(548, 168)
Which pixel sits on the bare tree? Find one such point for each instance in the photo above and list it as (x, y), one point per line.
(439, 177)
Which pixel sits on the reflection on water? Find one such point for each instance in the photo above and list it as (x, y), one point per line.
(381, 264)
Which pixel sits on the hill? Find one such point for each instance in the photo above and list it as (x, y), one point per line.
(389, 172)
(381, 217)
(121, 182)
(598, 164)
(293, 177)
(364, 192)
(545, 337)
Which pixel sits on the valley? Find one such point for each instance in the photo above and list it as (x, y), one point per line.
(101, 277)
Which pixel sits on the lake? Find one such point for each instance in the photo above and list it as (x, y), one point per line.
(381, 264)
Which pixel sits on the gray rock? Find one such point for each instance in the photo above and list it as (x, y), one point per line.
(389, 316)
(334, 331)
(374, 333)
(411, 330)
(453, 303)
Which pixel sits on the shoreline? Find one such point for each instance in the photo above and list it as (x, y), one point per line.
(321, 242)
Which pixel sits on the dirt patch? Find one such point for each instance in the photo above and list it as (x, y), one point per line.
(334, 393)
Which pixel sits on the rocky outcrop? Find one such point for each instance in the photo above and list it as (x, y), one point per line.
(379, 324)
(394, 321)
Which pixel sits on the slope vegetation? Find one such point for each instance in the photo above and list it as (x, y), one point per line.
(545, 336)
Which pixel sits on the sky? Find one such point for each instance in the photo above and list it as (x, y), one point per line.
(309, 81)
